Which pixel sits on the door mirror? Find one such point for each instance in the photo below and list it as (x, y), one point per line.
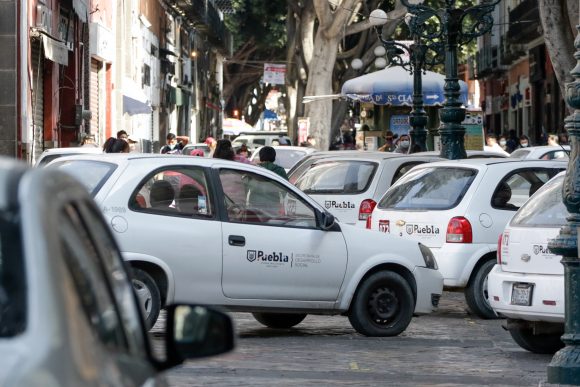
(195, 331)
(327, 221)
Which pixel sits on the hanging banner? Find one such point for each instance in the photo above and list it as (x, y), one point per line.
(399, 124)
(274, 74)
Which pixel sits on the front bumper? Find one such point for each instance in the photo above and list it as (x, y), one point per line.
(429, 289)
(546, 288)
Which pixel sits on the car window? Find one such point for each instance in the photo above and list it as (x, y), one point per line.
(404, 168)
(556, 154)
(286, 158)
(177, 191)
(545, 208)
(48, 158)
(520, 153)
(90, 281)
(91, 174)
(252, 198)
(337, 177)
(300, 168)
(259, 141)
(12, 277)
(515, 189)
(114, 265)
(429, 189)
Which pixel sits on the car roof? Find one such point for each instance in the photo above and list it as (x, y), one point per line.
(470, 152)
(74, 149)
(369, 156)
(496, 161)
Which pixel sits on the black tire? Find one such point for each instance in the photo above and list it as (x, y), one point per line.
(148, 296)
(542, 344)
(476, 294)
(279, 320)
(383, 305)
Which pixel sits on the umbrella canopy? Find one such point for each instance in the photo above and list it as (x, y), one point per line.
(233, 127)
(394, 86)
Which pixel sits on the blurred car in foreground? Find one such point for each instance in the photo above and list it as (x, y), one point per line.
(458, 208)
(53, 153)
(527, 284)
(286, 156)
(239, 236)
(544, 152)
(350, 185)
(68, 313)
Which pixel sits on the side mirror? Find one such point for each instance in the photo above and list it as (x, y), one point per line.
(195, 331)
(327, 221)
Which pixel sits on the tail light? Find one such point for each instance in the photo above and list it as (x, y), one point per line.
(499, 241)
(369, 221)
(366, 209)
(459, 231)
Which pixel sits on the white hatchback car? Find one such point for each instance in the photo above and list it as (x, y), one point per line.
(458, 208)
(239, 236)
(527, 284)
(53, 153)
(543, 152)
(350, 185)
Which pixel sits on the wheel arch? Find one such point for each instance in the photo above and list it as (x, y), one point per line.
(492, 255)
(160, 273)
(386, 266)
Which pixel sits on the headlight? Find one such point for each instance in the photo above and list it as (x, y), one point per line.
(430, 261)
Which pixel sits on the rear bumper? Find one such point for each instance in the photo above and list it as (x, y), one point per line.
(429, 289)
(546, 287)
(457, 260)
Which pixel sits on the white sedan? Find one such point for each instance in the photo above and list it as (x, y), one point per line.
(544, 152)
(239, 236)
(527, 284)
(458, 208)
(349, 184)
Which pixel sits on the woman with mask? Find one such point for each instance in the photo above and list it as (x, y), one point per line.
(175, 144)
(503, 143)
(524, 141)
(403, 144)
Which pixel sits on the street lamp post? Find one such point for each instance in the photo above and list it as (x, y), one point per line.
(565, 365)
(451, 27)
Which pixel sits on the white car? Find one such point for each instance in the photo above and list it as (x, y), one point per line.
(239, 236)
(53, 153)
(68, 313)
(527, 284)
(286, 156)
(350, 185)
(458, 208)
(544, 152)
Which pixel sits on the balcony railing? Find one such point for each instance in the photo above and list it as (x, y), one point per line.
(525, 23)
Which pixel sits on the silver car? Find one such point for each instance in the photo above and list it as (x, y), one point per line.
(68, 315)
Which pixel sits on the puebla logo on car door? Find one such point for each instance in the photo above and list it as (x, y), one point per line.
(251, 255)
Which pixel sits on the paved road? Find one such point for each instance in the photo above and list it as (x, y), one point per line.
(449, 348)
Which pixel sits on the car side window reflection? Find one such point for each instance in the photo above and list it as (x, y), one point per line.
(252, 198)
(515, 189)
(90, 281)
(404, 169)
(177, 191)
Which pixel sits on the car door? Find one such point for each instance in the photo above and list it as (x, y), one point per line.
(272, 246)
(110, 312)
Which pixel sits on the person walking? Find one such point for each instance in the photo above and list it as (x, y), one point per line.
(267, 160)
(175, 144)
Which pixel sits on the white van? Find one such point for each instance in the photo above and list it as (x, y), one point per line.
(255, 140)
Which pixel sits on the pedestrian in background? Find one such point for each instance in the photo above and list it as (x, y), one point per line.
(389, 146)
(491, 145)
(503, 143)
(267, 160)
(115, 145)
(211, 144)
(89, 141)
(403, 144)
(175, 144)
(552, 139)
(512, 141)
(524, 141)
(563, 138)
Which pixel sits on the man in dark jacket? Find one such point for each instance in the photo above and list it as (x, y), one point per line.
(267, 157)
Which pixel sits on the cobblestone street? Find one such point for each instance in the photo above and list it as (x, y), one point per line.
(449, 348)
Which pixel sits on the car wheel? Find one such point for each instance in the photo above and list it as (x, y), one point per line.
(383, 305)
(476, 294)
(542, 344)
(279, 320)
(148, 296)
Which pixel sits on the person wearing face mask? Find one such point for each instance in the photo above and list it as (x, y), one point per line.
(503, 143)
(524, 141)
(403, 144)
(175, 144)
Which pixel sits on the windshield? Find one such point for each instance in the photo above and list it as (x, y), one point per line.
(545, 208)
(341, 177)
(92, 174)
(429, 188)
(12, 278)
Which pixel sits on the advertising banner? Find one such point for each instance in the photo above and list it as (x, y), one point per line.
(274, 74)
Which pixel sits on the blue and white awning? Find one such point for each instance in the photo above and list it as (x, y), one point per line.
(394, 86)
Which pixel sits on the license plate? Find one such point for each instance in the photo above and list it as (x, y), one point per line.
(522, 294)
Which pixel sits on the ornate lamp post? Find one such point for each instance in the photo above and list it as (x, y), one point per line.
(417, 63)
(565, 365)
(451, 27)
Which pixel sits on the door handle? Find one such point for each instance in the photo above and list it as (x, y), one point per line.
(237, 240)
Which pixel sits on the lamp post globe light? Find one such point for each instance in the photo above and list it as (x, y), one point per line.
(565, 365)
(450, 27)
